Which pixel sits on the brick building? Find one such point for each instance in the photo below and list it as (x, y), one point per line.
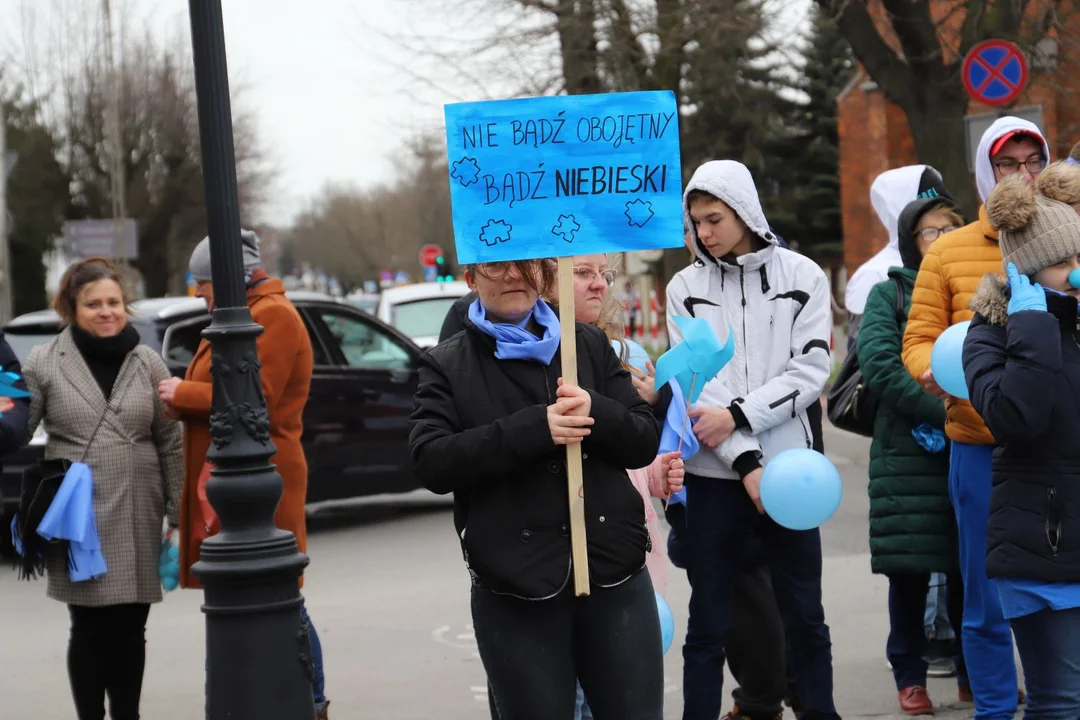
(874, 134)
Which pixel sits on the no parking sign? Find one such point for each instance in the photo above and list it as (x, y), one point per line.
(995, 72)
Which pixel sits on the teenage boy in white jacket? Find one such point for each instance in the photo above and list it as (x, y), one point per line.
(777, 304)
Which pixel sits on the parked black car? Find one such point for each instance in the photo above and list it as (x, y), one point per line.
(356, 427)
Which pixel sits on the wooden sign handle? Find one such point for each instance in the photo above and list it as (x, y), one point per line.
(574, 480)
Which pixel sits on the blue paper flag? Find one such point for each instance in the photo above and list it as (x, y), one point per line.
(697, 359)
(71, 517)
(7, 386)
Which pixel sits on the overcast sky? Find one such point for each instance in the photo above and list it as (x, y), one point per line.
(336, 87)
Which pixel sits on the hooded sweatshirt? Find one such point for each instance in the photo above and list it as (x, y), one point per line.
(948, 277)
(777, 304)
(890, 193)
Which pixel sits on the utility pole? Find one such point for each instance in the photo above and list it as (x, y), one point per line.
(5, 256)
(118, 184)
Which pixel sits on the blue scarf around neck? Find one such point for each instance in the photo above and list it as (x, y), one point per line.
(514, 341)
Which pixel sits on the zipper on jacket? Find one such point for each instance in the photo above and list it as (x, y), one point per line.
(742, 290)
(794, 414)
(787, 398)
(1052, 523)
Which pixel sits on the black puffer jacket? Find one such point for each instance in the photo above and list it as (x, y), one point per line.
(479, 429)
(1023, 373)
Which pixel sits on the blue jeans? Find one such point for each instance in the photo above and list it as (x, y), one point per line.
(937, 620)
(1049, 644)
(987, 639)
(907, 642)
(718, 526)
(318, 683)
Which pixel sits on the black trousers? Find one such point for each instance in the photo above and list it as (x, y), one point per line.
(756, 648)
(106, 656)
(535, 651)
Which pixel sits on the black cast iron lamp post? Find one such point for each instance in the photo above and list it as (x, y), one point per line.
(258, 655)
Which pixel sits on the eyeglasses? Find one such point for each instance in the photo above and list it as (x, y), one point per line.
(586, 274)
(1034, 164)
(496, 270)
(931, 234)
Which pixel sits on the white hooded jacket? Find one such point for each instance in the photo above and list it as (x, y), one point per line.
(777, 302)
(890, 193)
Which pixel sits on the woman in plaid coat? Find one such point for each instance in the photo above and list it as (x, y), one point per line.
(96, 371)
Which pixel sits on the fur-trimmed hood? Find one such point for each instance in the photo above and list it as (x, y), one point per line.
(991, 299)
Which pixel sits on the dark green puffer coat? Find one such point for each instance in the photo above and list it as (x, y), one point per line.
(912, 526)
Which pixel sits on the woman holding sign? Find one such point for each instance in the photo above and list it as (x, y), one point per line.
(492, 415)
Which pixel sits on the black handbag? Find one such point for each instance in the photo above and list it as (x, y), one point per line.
(40, 483)
(850, 403)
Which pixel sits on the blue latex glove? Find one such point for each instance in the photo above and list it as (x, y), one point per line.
(169, 560)
(930, 438)
(1025, 296)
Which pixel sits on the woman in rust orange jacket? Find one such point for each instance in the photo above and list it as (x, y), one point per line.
(285, 353)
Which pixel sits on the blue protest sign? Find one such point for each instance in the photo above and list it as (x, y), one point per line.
(564, 175)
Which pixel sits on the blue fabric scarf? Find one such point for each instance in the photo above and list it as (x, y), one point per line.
(514, 341)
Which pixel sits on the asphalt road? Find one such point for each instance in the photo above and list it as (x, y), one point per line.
(389, 595)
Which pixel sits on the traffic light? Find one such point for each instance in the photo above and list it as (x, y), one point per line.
(444, 270)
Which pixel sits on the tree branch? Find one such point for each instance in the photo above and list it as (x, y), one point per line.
(918, 36)
(623, 36)
(891, 73)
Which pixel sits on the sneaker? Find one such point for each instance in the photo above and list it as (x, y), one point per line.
(941, 668)
(321, 713)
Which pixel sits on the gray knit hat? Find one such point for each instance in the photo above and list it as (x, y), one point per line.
(199, 265)
(1035, 231)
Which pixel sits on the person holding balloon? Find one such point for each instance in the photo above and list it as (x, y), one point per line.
(756, 650)
(1022, 366)
(773, 308)
(491, 417)
(948, 277)
(912, 527)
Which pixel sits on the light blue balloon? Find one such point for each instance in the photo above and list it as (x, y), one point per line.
(1074, 278)
(947, 360)
(801, 489)
(667, 622)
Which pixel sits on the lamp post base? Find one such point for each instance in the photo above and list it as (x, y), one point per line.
(258, 650)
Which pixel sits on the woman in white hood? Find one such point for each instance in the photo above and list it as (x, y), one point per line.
(890, 193)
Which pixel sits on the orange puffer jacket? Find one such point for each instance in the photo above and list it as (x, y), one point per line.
(949, 275)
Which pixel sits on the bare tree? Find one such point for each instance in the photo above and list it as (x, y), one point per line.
(159, 134)
(914, 49)
(357, 233)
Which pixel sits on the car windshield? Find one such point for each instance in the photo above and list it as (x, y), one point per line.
(422, 318)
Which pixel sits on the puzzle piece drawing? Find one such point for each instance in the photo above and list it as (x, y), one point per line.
(567, 228)
(639, 212)
(465, 171)
(496, 231)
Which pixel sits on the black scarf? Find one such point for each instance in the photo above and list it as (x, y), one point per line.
(105, 355)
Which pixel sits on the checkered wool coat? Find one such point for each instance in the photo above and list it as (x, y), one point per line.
(136, 459)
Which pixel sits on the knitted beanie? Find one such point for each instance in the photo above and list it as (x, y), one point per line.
(199, 265)
(1035, 231)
